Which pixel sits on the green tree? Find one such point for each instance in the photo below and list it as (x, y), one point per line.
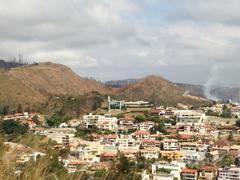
(226, 112)
(13, 127)
(54, 121)
(123, 165)
(226, 161)
(5, 110)
(238, 123)
(230, 136)
(139, 118)
(19, 108)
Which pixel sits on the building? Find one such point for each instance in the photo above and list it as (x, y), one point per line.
(190, 116)
(189, 146)
(212, 156)
(172, 155)
(126, 123)
(142, 134)
(61, 135)
(150, 153)
(111, 139)
(174, 168)
(105, 122)
(229, 173)
(126, 142)
(170, 144)
(189, 174)
(207, 173)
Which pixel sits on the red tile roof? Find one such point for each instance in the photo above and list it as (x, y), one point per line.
(189, 171)
(208, 168)
(142, 132)
(148, 141)
(108, 154)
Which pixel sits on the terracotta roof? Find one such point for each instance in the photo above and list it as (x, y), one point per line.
(142, 132)
(148, 141)
(222, 142)
(111, 136)
(185, 136)
(208, 168)
(108, 154)
(76, 163)
(127, 118)
(190, 171)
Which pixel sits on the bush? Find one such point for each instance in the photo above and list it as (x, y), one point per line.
(13, 127)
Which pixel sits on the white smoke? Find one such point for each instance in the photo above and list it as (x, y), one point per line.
(222, 75)
(211, 83)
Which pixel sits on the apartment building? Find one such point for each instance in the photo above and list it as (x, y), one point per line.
(229, 173)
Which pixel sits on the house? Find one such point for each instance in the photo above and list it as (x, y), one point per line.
(163, 176)
(207, 173)
(234, 150)
(221, 145)
(105, 122)
(149, 143)
(189, 146)
(172, 155)
(170, 144)
(142, 134)
(61, 135)
(229, 173)
(126, 123)
(150, 152)
(157, 111)
(191, 117)
(193, 157)
(185, 129)
(174, 168)
(127, 142)
(74, 165)
(90, 120)
(111, 139)
(212, 156)
(189, 174)
(145, 126)
(74, 122)
(108, 156)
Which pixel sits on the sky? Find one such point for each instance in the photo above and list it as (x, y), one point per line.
(184, 41)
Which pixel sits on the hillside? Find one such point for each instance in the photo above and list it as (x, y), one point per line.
(33, 84)
(159, 91)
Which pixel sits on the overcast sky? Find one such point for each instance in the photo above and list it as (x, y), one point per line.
(194, 41)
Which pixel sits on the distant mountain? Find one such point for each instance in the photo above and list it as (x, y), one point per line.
(32, 84)
(159, 91)
(217, 93)
(120, 83)
(10, 64)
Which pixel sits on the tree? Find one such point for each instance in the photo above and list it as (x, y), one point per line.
(123, 165)
(5, 110)
(226, 161)
(13, 127)
(230, 136)
(35, 119)
(54, 120)
(238, 123)
(19, 108)
(139, 118)
(226, 112)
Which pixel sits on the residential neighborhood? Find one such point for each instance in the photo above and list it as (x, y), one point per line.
(175, 143)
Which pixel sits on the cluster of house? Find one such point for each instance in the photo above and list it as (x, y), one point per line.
(191, 141)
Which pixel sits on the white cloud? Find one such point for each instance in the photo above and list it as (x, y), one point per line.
(123, 38)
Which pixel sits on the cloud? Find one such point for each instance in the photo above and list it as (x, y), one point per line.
(126, 39)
